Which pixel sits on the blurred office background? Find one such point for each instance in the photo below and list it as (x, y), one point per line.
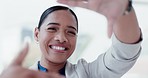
(18, 18)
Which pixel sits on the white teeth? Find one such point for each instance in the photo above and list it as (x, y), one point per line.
(57, 48)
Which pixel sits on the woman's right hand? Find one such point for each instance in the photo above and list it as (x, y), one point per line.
(16, 70)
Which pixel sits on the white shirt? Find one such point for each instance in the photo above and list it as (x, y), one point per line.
(112, 64)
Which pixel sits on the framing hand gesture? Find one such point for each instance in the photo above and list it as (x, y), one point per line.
(15, 70)
(111, 9)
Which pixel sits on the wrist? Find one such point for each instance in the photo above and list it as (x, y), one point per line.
(128, 8)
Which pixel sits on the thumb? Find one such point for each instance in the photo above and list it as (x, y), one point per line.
(21, 56)
(111, 23)
(109, 30)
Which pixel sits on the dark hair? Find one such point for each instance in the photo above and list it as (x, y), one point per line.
(52, 9)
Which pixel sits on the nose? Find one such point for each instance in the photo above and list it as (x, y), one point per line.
(60, 37)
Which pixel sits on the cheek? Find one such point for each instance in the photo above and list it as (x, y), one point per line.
(44, 39)
(73, 42)
(44, 36)
(43, 44)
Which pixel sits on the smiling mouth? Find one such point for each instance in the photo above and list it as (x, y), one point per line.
(59, 48)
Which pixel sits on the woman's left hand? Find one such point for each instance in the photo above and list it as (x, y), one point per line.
(111, 9)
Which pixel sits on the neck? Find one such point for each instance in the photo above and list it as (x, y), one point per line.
(51, 66)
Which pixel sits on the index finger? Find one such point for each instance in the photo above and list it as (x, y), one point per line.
(21, 56)
(38, 74)
(75, 3)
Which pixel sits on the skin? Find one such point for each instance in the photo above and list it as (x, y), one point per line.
(125, 27)
(58, 30)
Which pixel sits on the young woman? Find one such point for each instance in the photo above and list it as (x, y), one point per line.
(57, 35)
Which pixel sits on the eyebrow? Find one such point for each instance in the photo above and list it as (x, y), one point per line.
(59, 25)
(53, 23)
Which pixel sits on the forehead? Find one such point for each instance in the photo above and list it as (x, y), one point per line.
(62, 16)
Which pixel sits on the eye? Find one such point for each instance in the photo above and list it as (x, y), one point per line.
(71, 33)
(52, 29)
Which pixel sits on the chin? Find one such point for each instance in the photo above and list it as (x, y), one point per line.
(57, 60)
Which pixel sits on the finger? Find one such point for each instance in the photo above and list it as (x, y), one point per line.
(110, 31)
(21, 56)
(110, 28)
(38, 74)
(75, 3)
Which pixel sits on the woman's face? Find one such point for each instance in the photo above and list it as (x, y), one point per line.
(57, 36)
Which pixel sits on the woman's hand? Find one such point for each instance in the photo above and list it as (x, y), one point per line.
(15, 70)
(111, 9)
